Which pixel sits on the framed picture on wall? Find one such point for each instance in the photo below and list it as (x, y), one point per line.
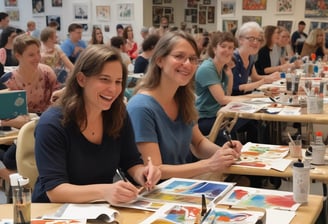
(57, 3)
(284, 6)
(192, 3)
(324, 26)
(125, 11)
(167, 1)
(318, 10)
(13, 14)
(210, 14)
(258, 19)
(103, 12)
(229, 25)
(254, 4)
(202, 15)
(191, 15)
(314, 25)
(206, 2)
(228, 7)
(159, 11)
(53, 18)
(157, 2)
(288, 24)
(10, 3)
(81, 11)
(37, 7)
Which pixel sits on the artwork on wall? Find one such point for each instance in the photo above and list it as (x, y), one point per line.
(10, 3)
(159, 11)
(288, 24)
(210, 14)
(192, 3)
(202, 15)
(13, 14)
(57, 3)
(157, 2)
(254, 4)
(284, 6)
(125, 11)
(228, 7)
(206, 2)
(313, 25)
(80, 11)
(191, 15)
(103, 12)
(257, 19)
(324, 26)
(229, 25)
(106, 28)
(37, 7)
(85, 27)
(167, 1)
(53, 18)
(316, 8)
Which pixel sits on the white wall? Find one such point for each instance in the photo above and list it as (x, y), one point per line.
(67, 15)
(143, 14)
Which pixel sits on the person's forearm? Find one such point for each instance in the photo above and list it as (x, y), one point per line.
(187, 170)
(69, 193)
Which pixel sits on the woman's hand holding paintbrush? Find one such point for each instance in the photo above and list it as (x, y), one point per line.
(236, 145)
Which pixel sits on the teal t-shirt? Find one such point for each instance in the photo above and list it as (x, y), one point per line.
(207, 75)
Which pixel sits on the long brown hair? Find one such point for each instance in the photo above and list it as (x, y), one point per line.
(185, 95)
(90, 63)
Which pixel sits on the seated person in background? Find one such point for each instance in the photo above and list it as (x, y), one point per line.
(214, 85)
(120, 44)
(37, 79)
(250, 38)
(315, 43)
(73, 45)
(32, 30)
(52, 54)
(271, 57)
(131, 45)
(141, 62)
(80, 142)
(6, 45)
(96, 36)
(164, 116)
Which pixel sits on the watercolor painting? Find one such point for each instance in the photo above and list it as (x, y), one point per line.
(179, 190)
(285, 6)
(242, 107)
(179, 213)
(263, 156)
(228, 8)
(262, 198)
(254, 4)
(188, 191)
(316, 8)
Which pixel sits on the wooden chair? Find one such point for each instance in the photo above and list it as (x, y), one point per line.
(26, 165)
(221, 122)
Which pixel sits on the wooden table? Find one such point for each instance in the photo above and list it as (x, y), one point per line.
(8, 139)
(307, 213)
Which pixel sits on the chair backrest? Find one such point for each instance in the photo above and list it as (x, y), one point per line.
(26, 165)
(221, 122)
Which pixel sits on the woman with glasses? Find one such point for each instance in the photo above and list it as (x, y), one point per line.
(164, 117)
(250, 39)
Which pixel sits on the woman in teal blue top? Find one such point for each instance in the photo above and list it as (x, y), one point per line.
(214, 80)
(164, 117)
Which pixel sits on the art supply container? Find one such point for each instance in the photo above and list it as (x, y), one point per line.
(295, 149)
(21, 199)
(301, 182)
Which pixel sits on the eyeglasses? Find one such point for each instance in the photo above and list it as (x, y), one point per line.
(183, 58)
(253, 39)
